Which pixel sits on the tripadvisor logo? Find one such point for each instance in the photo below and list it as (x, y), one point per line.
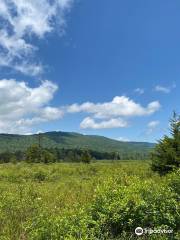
(138, 231)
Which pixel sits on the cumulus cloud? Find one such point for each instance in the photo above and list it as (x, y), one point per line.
(112, 114)
(20, 21)
(120, 106)
(22, 107)
(112, 123)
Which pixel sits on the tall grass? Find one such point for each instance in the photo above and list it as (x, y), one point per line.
(101, 200)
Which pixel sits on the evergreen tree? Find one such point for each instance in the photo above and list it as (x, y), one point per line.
(86, 157)
(166, 156)
(33, 154)
(47, 156)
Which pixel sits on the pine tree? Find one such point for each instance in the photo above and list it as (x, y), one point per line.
(33, 154)
(166, 156)
(86, 157)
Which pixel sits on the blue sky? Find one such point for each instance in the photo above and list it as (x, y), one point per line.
(101, 67)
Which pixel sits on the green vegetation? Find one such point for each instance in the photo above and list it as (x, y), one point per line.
(86, 157)
(75, 141)
(53, 193)
(68, 147)
(166, 155)
(37, 154)
(100, 200)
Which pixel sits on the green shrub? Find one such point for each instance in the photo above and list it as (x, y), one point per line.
(120, 207)
(101, 201)
(40, 176)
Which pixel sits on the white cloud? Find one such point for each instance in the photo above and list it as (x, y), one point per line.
(164, 89)
(20, 21)
(152, 126)
(120, 106)
(122, 139)
(112, 123)
(112, 114)
(139, 91)
(159, 88)
(22, 107)
(27, 68)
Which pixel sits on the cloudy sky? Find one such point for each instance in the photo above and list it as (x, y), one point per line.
(101, 67)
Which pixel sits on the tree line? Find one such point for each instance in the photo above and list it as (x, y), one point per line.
(165, 156)
(36, 154)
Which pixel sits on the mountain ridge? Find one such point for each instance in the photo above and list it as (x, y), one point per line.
(71, 140)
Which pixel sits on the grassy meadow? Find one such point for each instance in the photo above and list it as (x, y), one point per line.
(100, 200)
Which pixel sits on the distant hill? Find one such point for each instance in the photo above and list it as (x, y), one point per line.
(69, 140)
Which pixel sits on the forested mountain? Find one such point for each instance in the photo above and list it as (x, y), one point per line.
(9, 142)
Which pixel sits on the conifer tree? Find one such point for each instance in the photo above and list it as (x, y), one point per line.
(86, 157)
(166, 156)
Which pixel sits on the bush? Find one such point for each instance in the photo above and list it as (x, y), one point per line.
(119, 208)
(114, 200)
(40, 176)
